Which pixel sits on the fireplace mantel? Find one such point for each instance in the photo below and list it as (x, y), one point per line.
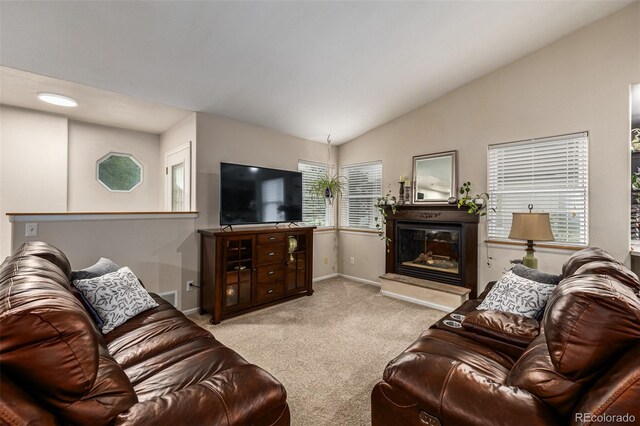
(445, 216)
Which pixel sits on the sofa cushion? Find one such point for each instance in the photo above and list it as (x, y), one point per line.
(116, 297)
(615, 393)
(589, 320)
(535, 373)
(584, 256)
(77, 378)
(536, 275)
(45, 251)
(613, 269)
(503, 326)
(517, 295)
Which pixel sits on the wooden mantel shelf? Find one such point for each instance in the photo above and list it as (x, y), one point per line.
(75, 216)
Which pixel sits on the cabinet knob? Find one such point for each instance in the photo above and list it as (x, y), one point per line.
(271, 272)
(272, 238)
(272, 254)
(270, 291)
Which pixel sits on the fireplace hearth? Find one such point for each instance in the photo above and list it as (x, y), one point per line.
(435, 243)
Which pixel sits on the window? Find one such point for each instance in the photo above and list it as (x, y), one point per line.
(314, 210)
(362, 189)
(549, 173)
(272, 199)
(119, 172)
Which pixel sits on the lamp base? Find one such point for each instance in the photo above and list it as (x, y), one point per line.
(529, 260)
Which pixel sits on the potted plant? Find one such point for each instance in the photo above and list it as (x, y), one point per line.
(382, 203)
(327, 187)
(475, 204)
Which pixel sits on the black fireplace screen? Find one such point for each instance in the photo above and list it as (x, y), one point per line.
(429, 248)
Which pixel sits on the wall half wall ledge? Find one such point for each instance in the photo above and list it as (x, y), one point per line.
(84, 216)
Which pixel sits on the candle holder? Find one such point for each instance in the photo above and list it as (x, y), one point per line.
(407, 194)
(401, 193)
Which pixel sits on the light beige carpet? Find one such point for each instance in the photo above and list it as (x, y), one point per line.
(328, 349)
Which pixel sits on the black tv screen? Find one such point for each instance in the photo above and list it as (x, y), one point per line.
(250, 195)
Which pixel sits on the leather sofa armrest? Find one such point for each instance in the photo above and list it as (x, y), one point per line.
(502, 326)
(17, 408)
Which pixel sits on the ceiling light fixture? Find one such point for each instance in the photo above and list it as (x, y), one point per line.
(55, 99)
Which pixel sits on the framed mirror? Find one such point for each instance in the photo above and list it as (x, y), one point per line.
(434, 178)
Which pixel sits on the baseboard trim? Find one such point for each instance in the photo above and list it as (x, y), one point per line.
(324, 277)
(361, 280)
(417, 301)
(190, 311)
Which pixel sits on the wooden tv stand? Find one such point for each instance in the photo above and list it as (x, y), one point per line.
(241, 271)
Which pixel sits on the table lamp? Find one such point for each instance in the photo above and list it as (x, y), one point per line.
(531, 227)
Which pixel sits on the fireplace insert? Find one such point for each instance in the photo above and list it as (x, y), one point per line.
(430, 251)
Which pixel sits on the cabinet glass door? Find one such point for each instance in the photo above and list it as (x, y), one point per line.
(239, 273)
(296, 268)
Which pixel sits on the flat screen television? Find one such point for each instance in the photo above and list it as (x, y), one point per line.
(252, 195)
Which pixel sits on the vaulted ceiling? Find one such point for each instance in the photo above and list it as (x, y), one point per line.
(303, 68)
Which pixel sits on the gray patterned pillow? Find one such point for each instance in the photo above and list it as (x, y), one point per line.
(116, 297)
(517, 295)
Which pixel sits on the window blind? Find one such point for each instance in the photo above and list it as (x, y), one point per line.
(551, 174)
(272, 198)
(362, 189)
(314, 210)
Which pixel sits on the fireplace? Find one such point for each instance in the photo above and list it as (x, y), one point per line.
(435, 243)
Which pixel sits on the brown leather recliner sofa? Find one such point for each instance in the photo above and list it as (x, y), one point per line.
(579, 366)
(157, 368)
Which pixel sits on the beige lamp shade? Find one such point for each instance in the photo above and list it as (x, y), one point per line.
(531, 226)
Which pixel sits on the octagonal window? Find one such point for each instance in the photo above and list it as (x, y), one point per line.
(119, 172)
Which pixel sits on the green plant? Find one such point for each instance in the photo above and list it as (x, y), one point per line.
(384, 202)
(327, 187)
(635, 139)
(635, 180)
(473, 203)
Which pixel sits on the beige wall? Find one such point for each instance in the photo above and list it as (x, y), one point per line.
(174, 138)
(223, 140)
(34, 150)
(88, 143)
(161, 252)
(580, 83)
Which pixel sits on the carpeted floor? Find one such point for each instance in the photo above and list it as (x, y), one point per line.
(328, 349)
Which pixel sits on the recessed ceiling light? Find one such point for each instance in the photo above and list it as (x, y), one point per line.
(55, 99)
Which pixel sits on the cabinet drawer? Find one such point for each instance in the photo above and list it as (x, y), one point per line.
(267, 292)
(276, 237)
(270, 253)
(270, 273)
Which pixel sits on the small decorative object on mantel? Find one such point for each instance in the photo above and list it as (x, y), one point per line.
(401, 191)
(330, 185)
(407, 192)
(382, 203)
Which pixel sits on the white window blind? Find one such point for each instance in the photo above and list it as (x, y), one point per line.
(314, 210)
(362, 189)
(551, 174)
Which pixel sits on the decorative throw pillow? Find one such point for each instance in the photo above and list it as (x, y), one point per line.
(535, 275)
(517, 295)
(101, 267)
(116, 297)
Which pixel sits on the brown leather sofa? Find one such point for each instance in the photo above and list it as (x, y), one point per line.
(579, 366)
(157, 368)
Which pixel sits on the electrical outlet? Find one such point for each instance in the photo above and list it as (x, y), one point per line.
(190, 285)
(325, 260)
(31, 230)
(352, 260)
